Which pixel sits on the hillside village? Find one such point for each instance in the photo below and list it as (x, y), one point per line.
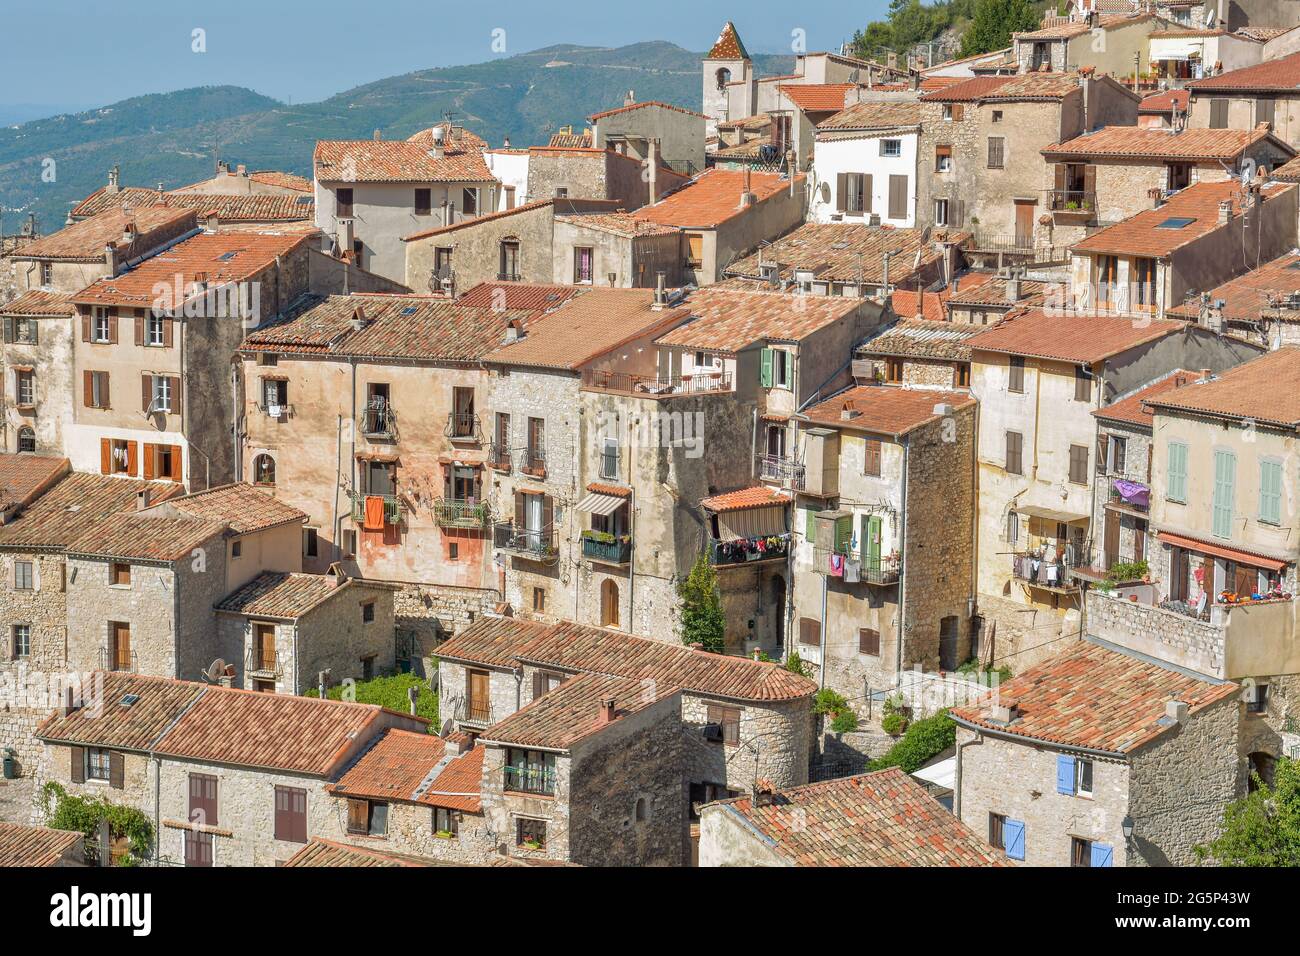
(890, 463)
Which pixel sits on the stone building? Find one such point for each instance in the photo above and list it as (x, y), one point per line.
(617, 250)
(1244, 98)
(883, 554)
(980, 165)
(1099, 757)
(40, 846)
(1260, 306)
(39, 386)
(875, 819)
(227, 777)
(694, 727)
(633, 127)
(1106, 43)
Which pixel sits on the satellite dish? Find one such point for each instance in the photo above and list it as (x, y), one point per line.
(1210, 16)
(216, 670)
(155, 406)
(925, 235)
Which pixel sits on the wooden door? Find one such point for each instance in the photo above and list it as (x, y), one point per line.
(1025, 224)
(478, 695)
(609, 603)
(121, 646)
(873, 543)
(1110, 541)
(1246, 581)
(266, 647)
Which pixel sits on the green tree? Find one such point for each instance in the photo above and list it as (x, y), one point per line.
(1263, 828)
(993, 23)
(702, 619)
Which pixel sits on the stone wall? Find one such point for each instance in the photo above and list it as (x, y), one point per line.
(1024, 634)
(1166, 635)
(505, 690)
(775, 743)
(43, 609)
(503, 810)
(411, 830)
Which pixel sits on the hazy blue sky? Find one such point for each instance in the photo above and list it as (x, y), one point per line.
(68, 53)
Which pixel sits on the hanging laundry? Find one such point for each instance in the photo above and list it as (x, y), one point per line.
(837, 565)
(374, 513)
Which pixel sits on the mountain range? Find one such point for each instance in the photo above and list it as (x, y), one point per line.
(47, 165)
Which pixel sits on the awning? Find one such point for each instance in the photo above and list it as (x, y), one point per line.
(598, 504)
(942, 774)
(1049, 514)
(1220, 551)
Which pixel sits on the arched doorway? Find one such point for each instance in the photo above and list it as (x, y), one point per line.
(723, 77)
(609, 603)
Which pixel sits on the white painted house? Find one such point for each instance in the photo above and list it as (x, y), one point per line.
(864, 165)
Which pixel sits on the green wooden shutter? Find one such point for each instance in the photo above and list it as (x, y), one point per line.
(1270, 492)
(765, 368)
(1176, 489)
(810, 529)
(843, 534)
(871, 545)
(1225, 475)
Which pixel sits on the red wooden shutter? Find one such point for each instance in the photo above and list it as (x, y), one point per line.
(77, 765)
(116, 769)
(167, 331)
(548, 512)
(520, 510)
(139, 330)
(105, 457)
(132, 448)
(146, 392)
(358, 816)
(176, 394)
(88, 389)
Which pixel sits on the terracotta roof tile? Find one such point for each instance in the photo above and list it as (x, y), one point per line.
(245, 508)
(713, 197)
(281, 208)
(37, 846)
(74, 507)
(274, 177)
(1095, 697)
(933, 305)
(40, 303)
(493, 641)
(480, 220)
(817, 97)
(1281, 75)
(618, 223)
(398, 161)
(874, 116)
(1065, 31)
(727, 320)
(84, 241)
(749, 123)
(876, 819)
(24, 477)
(320, 852)
(988, 288)
(1288, 172)
(1070, 336)
(415, 768)
(1131, 409)
(845, 251)
(569, 140)
(728, 45)
(923, 338)
(101, 200)
(104, 721)
(756, 496)
(145, 536)
(1165, 102)
(885, 409)
(1247, 295)
(644, 103)
(572, 711)
(1265, 390)
(460, 784)
(1163, 143)
(524, 296)
(279, 594)
(456, 138)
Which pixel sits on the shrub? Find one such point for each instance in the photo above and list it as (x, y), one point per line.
(893, 724)
(703, 621)
(390, 692)
(845, 722)
(83, 815)
(1128, 571)
(795, 665)
(827, 701)
(972, 667)
(1263, 828)
(925, 739)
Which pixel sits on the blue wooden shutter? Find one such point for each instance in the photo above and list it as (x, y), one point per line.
(1013, 836)
(1225, 478)
(765, 368)
(1270, 491)
(1064, 774)
(1102, 855)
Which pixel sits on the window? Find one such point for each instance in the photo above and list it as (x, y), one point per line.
(349, 541)
(942, 159)
(561, 192)
(1073, 776)
(1079, 464)
(26, 439)
(1087, 853)
(47, 273)
(264, 470)
(869, 641)
(997, 152)
(997, 831)
(236, 549)
(343, 201)
(1264, 111)
(893, 370)
(445, 822)
(810, 631)
(161, 393)
(1107, 280)
(1257, 699)
(997, 116)
(941, 212)
(99, 764)
(291, 814)
(1218, 113)
(1270, 491)
(1083, 778)
(120, 657)
(275, 395)
(728, 719)
(1176, 472)
(22, 642)
(155, 331)
(453, 551)
(891, 147)
(694, 250)
(1225, 478)
(25, 387)
(856, 192)
(1015, 445)
(1016, 374)
(639, 810)
(423, 201)
(203, 799)
(952, 112)
(530, 834)
(509, 256)
(367, 612)
(1082, 383)
(1013, 528)
(583, 257)
(95, 389)
(119, 574)
(529, 771)
(22, 575)
(442, 262)
(609, 459)
(871, 463)
(1144, 284)
(101, 325)
(310, 542)
(544, 682)
(609, 604)
(539, 600)
(469, 201)
(368, 818)
(701, 793)
(1117, 453)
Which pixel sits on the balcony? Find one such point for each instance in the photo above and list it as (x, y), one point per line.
(264, 666)
(655, 385)
(785, 471)
(1023, 247)
(498, 457)
(1129, 495)
(280, 413)
(463, 427)
(521, 542)
(535, 780)
(607, 548)
(457, 513)
(393, 510)
(532, 461)
(1073, 205)
(109, 661)
(744, 551)
(467, 710)
(508, 277)
(882, 571)
(379, 422)
(1038, 571)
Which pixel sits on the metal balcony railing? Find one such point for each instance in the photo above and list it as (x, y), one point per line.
(471, 710)
(532, 461)
(1047, 570)
(379, 421)
(457, 513)
(628, 383)
(535, 545)
(278, 412)
(787, 471)
(263, 664)
(393, 510)
(1072, 200)
(611, 549)
(882, 570)
(745, 550)
(498, 457)
(109, 661)
(530, 780)
(462, 426)
(507, 276)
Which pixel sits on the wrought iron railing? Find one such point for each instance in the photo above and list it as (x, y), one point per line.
(471, 709)
(699, 382)
(530, 780)
(462, 426)
(278, 412)
(744, 550)
(1072, 200)
(537, 545)
(457, 513)
(393, 510)
(498, 456)
(885, 569)
(378, 421)
(1048, 570)
(110, 661)
(532, 461)
(612, 549)
(263, 665)
(787, 471)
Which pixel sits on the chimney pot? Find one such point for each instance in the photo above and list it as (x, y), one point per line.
(143, 498)
(242, 170)
(1206, 374)
(1225, 211)
(607, 705)
(378, 135)
(1176, 710)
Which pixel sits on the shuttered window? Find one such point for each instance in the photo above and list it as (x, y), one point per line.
(1016, 374)
(1015, 443)
(694, 250)
(942, 159)
(728, 718)
(1265, 110)
(1082, 384)
(198, 848)
(871, 463)
(1079, 464)
(810, 631)
(897, 197)
(1270, 492)
(869, 641)
(1225, 491)
(423, 201)
(291, 814)
(997, 152)
(810, 526)
(1218, 113)
(1013, 835)
(1176, 470)
(1065, 774)
(203, 799)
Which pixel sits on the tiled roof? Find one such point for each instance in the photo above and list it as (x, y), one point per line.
(479, 220)
(619, 224)
(101, 199)
(287, 208)
(1148, 142)
(644, 103)
(1076, 28)
(1070, 336)
(1265, 390)
(817, 97)
(903, 303)
(1131, 410)
(456, 138)
(397, 161)
(504, 642)
(988, 288)
(73, 508)
(415, 768)
(875, 819)
(885, 409)
(1094, 697)
(84, 241)
(923, 338)
(245, 508)
(145, 536)
(24, 476)
(756, 496)
(728, 45)
(572, 711)
(748, 123)
(749, 149)
(713, 197)
(38, 302)
(1247, 295)
(223, 258)
(279, 594)
(104, 721)
(1165, 102)
(1261, 34)
(586, 326)
(274, 177)
(1145, 234)
(433, 328)
(846, 251)
(874, 116)
(511, 296)
(1007, 89)
(727, 320)
(35, 846)
(1288, 172)
(1281, 76)
(320, 852)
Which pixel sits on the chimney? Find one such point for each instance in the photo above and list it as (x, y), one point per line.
(455, 746)
(652, 161)
(128, 233)
(323, 684)
(413, 695)
(241, 170)
(920, 302)
(70, 702)
(607, 710)
(1157, 196)
(359, 318)
(696, 646)
(661, 293)
(1013, 287)
(211, 222)
(612, 278)
(1225, 212)
(848, 411)
(630, 98)
(143, 498)
(378, 135)
(223, 168)
(746, 197)
(110, 261)
(1206, 375)
(757, 655)
(512, 331)
(345, 234)
(1005, 711)
(114, 180)
(505, 143)
(763, 793)
(1176, 711)
(884, 278)
(439, 135)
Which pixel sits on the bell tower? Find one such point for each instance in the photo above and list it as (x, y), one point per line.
(727, 63)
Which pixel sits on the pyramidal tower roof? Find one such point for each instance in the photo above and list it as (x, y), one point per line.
(728, 46)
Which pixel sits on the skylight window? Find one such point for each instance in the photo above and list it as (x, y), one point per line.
(1176, 222)
(227, 256)
(410, 310)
